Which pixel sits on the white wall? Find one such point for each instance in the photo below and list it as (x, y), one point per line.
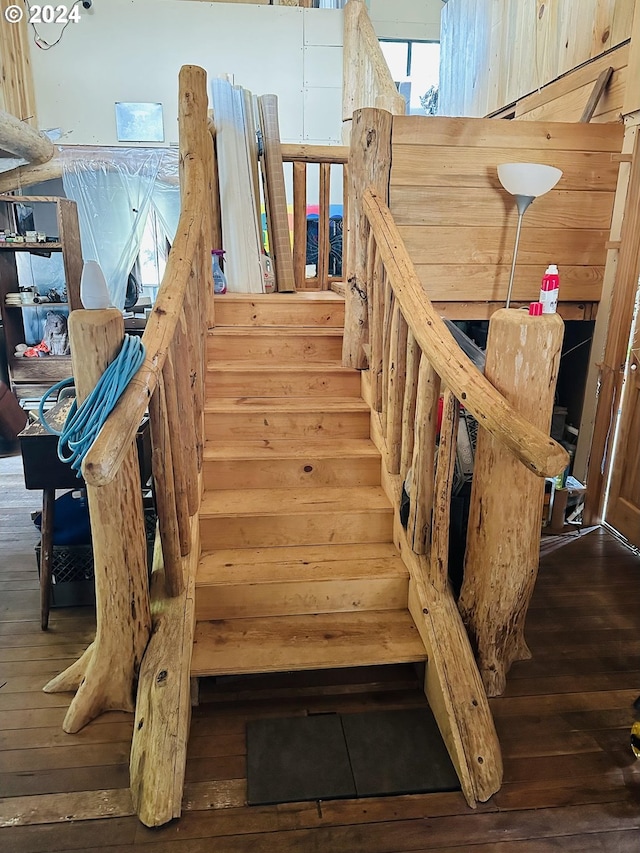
(132, 50)
(406, 19)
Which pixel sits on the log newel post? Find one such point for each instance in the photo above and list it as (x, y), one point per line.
(105, 676)
(369, 166)
(503, 539)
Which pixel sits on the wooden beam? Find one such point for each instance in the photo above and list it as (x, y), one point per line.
(598, 91)
(23, 141)
(611, 372)
(273, 175)
(17, 95)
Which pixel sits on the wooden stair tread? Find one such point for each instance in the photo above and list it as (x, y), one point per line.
(270, 331)
(299, 563)
(261, 449)
(292, 553)
(299, 296)
(318, 641)
(273, 502)
(294, 404)
(270, 367)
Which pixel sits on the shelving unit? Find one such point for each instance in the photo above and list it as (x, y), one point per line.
(29, 376)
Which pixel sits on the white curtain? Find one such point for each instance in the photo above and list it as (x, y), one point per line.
(114, 189)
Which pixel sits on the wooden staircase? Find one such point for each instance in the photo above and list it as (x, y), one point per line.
(298, 567)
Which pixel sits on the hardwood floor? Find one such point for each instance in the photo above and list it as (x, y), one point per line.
(571, 782)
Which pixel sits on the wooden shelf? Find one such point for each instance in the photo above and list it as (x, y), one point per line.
(30, 247)
(47, 370)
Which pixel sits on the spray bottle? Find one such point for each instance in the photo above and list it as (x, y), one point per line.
(549, 290)
(219, 278)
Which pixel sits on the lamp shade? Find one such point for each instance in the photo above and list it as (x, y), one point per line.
(528, 179)
(94, 292)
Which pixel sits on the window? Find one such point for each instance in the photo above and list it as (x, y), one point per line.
(414, 66)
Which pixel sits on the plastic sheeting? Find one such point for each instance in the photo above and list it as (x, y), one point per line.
(114, 189)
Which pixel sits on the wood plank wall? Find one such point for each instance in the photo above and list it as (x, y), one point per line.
(17, 94)
(459, 224)
(494, 52)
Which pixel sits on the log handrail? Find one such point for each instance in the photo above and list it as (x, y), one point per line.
(101, 463)
(366, 79)
(540, 453)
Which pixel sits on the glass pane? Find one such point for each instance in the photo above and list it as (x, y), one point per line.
(395, 52)
(425, 67)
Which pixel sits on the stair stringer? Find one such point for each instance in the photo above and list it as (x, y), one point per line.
(453, 686)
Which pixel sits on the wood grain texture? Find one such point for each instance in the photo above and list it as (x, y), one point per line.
(478, 395)
(104, 676)
(369, 165)
(501, 559)
(495, 53)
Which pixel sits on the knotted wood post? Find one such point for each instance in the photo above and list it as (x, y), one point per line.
(105, 676)
(503, 539)
(369, 166)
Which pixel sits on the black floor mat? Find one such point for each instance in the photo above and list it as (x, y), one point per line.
(398, 752)
(331, 756)
(301, 758)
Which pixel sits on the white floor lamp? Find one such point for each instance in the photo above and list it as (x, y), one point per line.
(525, 182)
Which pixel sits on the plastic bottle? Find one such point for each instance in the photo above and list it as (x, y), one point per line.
(549, 290)
(219, 278)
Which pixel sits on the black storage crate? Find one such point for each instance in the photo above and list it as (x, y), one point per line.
(72, 569)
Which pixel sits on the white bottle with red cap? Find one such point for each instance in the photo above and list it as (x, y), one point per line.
(549, 290)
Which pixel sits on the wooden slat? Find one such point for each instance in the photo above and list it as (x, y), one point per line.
(378, 292)
(493, 246)
(299, 221)
(468, 282)
(488, 133)
(452, 165)
(279, 241)
(466, 207)
(323, 226)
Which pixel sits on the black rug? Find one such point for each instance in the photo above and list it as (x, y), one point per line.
(332, 756)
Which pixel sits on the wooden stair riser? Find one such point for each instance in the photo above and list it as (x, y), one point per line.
(303, 528)
(281, 473)
(294, 643)
(244, 382)
(269, 424)
(280, 312)
(297, 598)
(279, 347)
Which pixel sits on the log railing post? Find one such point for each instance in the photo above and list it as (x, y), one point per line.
(501, 564)
(423, 463)
(395, 391)
(369, 166)
(105, 676)
(443, 486)
(178, 460)
(409, 403)
(165, 490)
(377, 328)
(185, 397)
(299, 222)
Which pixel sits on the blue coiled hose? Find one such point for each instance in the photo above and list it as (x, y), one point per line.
(84, 422)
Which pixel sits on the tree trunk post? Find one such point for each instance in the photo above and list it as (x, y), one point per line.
(369, 166)
(106, 674)
(503, 539)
